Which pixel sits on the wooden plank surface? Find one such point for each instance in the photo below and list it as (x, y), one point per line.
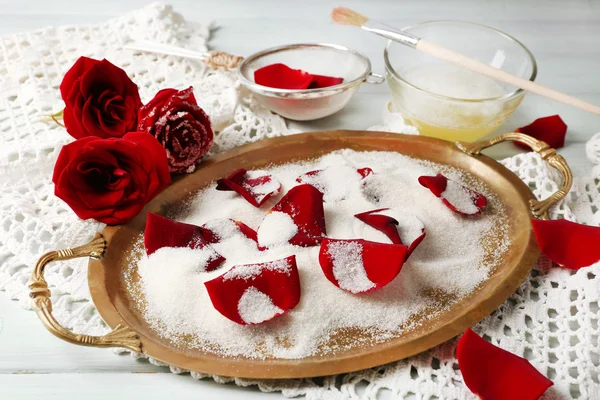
(563, 35)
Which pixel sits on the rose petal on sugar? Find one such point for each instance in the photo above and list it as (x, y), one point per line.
(455, 196)
(360, 266)
(255, 293)
(568, 244)
(399, 227)
(495, 374)
(335, 182)
(551, 130)
(164, 232)
(280, 76)
(252, 186)
(304, 204)
(321, 81)
(221, 229)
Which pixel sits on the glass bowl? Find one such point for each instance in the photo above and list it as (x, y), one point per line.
(450, 102)
(316, 58)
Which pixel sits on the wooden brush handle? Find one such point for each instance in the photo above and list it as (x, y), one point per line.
(503, 76)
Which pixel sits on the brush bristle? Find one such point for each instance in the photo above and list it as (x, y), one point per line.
(345, 16)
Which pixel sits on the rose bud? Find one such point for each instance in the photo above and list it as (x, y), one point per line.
(110, 180)
(100, 100)
(180, 125)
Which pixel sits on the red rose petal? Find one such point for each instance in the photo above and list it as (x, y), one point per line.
(218, 230)
(383, 220)
(164, 232)
(242, 294)
(495, 374)
(280, 76)
(255, 188)
(321, 81)
(304, 204)
(551, 130)
(360, 266)
(364, 172)
(455, 196)
(567, 243)
(335, 182)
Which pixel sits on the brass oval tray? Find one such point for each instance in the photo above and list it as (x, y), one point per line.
(110, 250)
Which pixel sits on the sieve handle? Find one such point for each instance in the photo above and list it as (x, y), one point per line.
(121, 336)
(539, 208)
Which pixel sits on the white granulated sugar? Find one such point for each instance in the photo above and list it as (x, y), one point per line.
(336, 182)
(459, 198)
(348, 268)
(255, 306)
(276, 229)
(224, 228)
(456, 256)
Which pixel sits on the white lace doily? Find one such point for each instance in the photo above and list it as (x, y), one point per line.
(552, 319)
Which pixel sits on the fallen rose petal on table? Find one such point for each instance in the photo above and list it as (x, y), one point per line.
(496, 374)
(255, 293)
(252, 186)
(360, 266)
(455, 196)
(568, 244)
(551, 130)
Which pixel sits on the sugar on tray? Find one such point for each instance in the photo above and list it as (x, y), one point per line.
(456, 256)
(276, 229)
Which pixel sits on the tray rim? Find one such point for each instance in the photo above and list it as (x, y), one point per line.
(300, 368)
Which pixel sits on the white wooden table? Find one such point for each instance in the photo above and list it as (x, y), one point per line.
(563, 35)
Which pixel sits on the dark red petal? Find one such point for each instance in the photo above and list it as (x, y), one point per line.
(279, 280)
(360, 266)
(551, 130)
(281, 76)
(567, 243)
(495, 374)
(304, 203)
(383, 223)
(437, 184)
(236, 177)
(256, 190)
(389, 226)
(455, 196)
(364, 172)
(321, 81)
(164, 232)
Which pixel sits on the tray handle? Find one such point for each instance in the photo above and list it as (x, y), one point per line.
(539, 208)
(121, 336)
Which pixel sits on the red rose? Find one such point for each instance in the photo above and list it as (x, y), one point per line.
(180, 125)
(110, 180)
(100, 100)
